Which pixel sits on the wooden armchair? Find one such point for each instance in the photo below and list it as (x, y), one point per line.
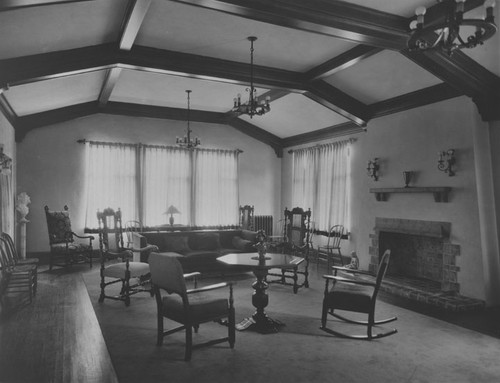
(356, 294)
(297, 224)
(332, 249)
(247, 217)
(133, 276)
(64, 249)
(17, 280)
(191, 307)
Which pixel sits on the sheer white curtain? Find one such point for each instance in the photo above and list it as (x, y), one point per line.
(111, 180)
(216, 187)
(321, 181)
(144, 180)
(166, 180)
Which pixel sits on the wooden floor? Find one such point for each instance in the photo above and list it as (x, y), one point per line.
(56, 338)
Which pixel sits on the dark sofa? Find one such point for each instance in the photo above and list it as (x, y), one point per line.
(198, 250)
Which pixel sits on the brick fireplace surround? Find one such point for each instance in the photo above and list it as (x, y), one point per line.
(423, 262)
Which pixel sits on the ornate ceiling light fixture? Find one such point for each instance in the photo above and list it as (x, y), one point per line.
(253, 106)
(445, 35)
(186, 141)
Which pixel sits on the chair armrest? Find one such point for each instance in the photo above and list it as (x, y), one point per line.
(143, 249)
(91, 237)
(123, 254)
(347, 280)
(210, 287)
(352, 271)
(192, 275)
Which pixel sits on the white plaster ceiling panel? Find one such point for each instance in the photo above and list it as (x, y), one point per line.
(295, 114)
(382, 76)
(166, 90)
(55, 93)
(194, 30)
(42, 29)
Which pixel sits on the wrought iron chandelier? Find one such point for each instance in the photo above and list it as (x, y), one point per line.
(445, 35)
(253, 106)
(186, 141)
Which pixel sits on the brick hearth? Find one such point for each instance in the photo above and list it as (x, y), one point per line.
(430, 275)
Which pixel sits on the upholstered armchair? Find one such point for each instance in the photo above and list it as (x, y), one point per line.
(66, 247)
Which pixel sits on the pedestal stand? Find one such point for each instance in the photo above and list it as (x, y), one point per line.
(22, 237)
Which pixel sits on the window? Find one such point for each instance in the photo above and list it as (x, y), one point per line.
(321, 181)
(144, 180)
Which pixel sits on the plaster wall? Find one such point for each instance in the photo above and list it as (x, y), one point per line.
(51, 164)
(411, 141)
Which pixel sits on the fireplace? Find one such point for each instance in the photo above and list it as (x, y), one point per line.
(423, 263)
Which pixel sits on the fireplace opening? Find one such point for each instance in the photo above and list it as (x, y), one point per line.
(423, 265)
(413, 256)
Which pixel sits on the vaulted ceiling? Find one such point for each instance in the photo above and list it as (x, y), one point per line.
(329, 66)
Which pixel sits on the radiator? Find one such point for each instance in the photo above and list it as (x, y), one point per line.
(263, 222)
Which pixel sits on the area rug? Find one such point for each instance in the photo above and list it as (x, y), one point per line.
(425, 349)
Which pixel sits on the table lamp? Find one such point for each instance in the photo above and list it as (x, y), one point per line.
(172, 210)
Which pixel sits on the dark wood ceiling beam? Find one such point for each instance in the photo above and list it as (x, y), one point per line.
(7, 5)
(464, 74)
(338, 101)
(109, 84)
(440, 11)
(22, 70)
(195, 66)
(37, 120)
(332, 18)
(133, 20)
(259, 134)
(162, 112)
(7, 110)
(27, 123)
(340, 62)
(421, 97)
(45, 66)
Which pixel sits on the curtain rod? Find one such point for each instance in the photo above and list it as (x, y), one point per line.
(83, 141)
(350, 140)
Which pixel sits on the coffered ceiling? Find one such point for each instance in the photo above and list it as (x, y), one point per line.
(329, 66)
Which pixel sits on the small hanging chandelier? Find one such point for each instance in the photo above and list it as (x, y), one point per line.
(445, 35)
(186, 141)
(253, 106)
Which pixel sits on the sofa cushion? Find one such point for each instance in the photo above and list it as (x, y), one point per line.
(204, 241)
(242, 244)
(175, 243)
(249, 235)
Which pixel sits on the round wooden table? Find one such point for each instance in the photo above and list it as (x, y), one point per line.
(260, 264)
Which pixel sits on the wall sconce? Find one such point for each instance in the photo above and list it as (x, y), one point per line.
(373, 168)
(5, 162)
(446, 161)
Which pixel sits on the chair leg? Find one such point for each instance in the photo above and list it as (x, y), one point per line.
(231, 327)
(159, 334)
(295, 279)
(189, 343)
(324, 314)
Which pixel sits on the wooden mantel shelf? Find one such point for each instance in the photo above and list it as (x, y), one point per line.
(440, 192)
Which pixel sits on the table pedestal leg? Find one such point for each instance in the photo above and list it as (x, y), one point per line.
(260, 300)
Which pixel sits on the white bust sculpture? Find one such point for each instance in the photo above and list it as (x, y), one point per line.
(22, 202)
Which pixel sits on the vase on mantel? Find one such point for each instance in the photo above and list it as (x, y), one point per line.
(407, 177)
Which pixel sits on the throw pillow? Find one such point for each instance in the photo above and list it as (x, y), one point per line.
(249, 235)
(176, 244)
(243, 244)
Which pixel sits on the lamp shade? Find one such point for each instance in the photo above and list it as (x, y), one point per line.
(172, 210)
